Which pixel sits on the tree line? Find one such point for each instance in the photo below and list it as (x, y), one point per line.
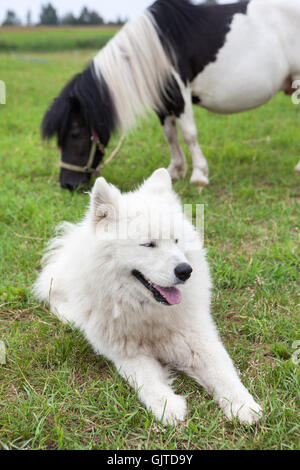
(49, 16)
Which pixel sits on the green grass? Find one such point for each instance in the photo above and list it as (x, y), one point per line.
(53, 39)
(55, 393)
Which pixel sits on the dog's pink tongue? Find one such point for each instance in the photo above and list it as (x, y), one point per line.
(171, 294)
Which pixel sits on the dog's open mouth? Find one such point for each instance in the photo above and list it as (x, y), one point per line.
(164, 295)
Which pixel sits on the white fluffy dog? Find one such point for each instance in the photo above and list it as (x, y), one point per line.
(133, 277)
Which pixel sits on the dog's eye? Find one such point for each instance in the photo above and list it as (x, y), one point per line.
(176, 241)
(149, 245)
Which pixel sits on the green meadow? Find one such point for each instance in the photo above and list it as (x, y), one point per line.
(18, 39)
(55, 392)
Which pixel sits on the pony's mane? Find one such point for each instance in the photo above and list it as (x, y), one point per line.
(85, 94)
(136, 69)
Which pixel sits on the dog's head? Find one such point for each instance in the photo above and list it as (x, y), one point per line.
(143, 234)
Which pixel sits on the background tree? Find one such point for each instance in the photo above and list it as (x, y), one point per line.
(119, 21)
(69, 19)
(95, 18)
(88, 17)
(48, 15)
(28, 18)
(11, 19)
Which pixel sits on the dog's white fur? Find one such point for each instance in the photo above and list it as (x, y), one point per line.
(87, 279)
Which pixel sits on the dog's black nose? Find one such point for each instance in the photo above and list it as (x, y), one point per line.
(183, 271)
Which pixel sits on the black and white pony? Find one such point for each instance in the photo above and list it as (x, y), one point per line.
(226, 58)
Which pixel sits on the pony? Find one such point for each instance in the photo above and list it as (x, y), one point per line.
(225, 58)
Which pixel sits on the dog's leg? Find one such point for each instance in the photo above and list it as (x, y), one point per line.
(214, 370)
(189, 134)
(297, 169)
(150, 379)
(178, 162)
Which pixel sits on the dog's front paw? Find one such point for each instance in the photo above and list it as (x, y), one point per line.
(244, 408)
(170, 409)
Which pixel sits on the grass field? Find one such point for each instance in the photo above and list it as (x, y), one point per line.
(18, 39)
(55, 393)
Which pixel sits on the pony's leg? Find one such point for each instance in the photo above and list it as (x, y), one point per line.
(297, 169)
(178, 162)
(189, 134)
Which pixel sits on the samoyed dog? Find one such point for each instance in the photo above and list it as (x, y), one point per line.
(133, 277)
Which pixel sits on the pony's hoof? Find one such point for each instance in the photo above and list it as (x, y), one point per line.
(176, 171)
(198, 177)
(297, 169)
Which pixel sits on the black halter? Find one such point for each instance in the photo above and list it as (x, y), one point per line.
(88, 167)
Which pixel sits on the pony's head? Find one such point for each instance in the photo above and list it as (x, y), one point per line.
(82, 118)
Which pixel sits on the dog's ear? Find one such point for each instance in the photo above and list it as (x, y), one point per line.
(104, 201)
(159, 182)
